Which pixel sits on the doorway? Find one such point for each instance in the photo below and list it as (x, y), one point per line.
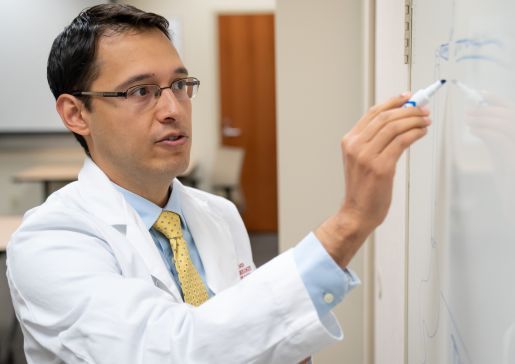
(247, 120)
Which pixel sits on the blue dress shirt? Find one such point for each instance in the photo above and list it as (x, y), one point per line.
(325, 281)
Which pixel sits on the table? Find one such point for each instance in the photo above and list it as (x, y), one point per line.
(47, 174)
(8, 224)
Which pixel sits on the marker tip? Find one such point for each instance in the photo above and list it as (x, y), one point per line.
(443, 81)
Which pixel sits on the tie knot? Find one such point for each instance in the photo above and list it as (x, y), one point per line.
(169, 224)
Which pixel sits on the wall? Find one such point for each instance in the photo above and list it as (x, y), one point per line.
(391, 237)
(320, 95)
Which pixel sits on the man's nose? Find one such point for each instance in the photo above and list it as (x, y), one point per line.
(168, 107)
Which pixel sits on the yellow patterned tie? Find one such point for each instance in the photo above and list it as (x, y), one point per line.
(193, 288)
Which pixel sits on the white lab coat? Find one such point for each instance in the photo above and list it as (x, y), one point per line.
(89, 286)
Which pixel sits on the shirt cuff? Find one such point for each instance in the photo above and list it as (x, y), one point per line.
(326, 283)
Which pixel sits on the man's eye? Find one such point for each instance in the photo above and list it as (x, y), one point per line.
(140, 91)
(179, 85)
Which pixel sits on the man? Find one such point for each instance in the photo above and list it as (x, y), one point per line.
(126, 265)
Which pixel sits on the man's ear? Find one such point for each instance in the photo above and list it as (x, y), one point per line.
(72, 110)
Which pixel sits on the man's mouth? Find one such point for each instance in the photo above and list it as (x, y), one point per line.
(174, 140)
(175, 137)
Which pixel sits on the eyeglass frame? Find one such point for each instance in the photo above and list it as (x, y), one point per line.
(125, 94)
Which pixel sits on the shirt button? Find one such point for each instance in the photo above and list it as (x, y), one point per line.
(328, 298)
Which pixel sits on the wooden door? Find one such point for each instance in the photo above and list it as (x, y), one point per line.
(247, 78)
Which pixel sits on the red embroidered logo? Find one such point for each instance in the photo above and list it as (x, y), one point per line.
(244, 270)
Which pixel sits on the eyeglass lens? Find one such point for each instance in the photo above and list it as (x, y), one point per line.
(145, 95)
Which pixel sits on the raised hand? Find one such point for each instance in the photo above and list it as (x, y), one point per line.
(370, 153)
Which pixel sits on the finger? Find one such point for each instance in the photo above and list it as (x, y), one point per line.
(394, 102)
(393, 151)
(389, 116)
(392, 130)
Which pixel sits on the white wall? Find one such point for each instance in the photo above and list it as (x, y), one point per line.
(391, 236)
(320, 95)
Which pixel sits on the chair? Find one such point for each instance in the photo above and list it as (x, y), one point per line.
(225, 179)
(11, 340)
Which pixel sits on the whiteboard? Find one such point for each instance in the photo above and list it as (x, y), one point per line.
(27, 30)
(461, 270)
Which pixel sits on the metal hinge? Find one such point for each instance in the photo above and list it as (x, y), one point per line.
(408, 9)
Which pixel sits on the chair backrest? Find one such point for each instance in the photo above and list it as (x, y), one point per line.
(227, 167)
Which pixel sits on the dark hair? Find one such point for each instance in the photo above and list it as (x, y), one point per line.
(71, 62)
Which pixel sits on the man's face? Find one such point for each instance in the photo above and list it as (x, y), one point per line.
(134, 145)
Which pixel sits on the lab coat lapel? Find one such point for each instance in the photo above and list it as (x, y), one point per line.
(142, 242)
(212, 238)
(109, 206)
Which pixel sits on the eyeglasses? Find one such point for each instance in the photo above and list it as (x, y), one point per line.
(147, 95)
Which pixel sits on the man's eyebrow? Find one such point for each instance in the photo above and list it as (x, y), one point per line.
(181, 70)
(127, 83)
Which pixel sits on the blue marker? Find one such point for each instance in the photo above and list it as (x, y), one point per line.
(421, 97)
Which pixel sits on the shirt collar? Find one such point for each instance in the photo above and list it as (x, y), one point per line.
(149, 211)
